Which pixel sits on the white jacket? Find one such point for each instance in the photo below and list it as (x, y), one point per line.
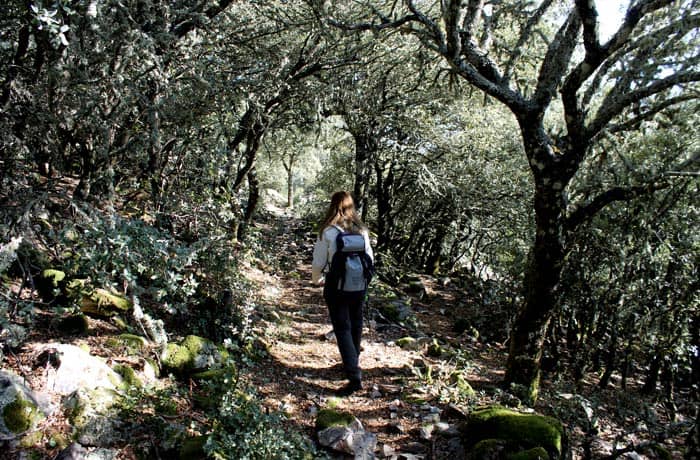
(324, 249)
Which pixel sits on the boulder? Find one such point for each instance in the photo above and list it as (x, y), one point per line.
(104, 304)
(73, 368)
(497, 432)
(20, 407)
(194, 355)
(342, 432)
(94, 416)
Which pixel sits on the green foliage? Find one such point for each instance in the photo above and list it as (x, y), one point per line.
(245, 431)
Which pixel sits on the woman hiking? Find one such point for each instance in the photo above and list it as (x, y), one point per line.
(344, 307)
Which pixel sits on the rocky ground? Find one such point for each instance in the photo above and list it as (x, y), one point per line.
(423, 375)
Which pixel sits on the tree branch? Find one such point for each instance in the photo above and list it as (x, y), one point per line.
(524, 37)
(586, 212)
(616, 103)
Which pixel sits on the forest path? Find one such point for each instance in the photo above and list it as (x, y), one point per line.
(303, 368)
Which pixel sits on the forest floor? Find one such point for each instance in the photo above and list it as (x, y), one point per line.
(404, 390)
(303, 369)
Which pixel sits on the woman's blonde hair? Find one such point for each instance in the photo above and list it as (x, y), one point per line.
(341, 212)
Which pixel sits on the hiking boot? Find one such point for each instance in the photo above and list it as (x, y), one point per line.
(349, 388)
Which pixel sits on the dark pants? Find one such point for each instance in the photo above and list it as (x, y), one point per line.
(346, 316)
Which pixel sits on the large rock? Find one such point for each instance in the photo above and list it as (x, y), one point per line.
(194, 355)
(343, 432)
(104, 304)
(72, 368)
(496, 432)
(20, 407)
(94, 416)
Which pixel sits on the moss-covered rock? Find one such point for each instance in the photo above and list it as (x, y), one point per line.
(215, 374)
(435, 349)
(176, 358)
(50, 284)
(132, 343)
(465, 389)
(330, 417)
(408, 343)
(20, 414)
(128, 375)
(193, 448)
(519, 431)
(487, 449)
(195, 354)
(104, 304)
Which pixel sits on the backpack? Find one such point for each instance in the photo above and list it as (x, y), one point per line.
(351, 268)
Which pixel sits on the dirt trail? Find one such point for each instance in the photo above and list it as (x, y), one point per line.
(304, 369)
(304, 366)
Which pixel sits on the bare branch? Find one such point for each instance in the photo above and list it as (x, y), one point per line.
(557, 59)
(616, 102)
(524, 37)
(649, 114)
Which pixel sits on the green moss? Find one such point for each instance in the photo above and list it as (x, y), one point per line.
(196, 344)
(129, 376)
(214, 374)
(465, 389)
(20, 415)
(133, 343)
(329, 417)
(435, 349)
(120, 323)
(527, 430)
(53, 276)
(48, 282)
(32, 440)
(538, 453)
(177, 358)
(486, 448)
(193, 448)
(407, 343)
(105, 304)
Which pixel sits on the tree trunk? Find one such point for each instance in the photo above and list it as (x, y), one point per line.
(365, 146)
(253, 198)
(552, 172)
(541, 281)
(290, 184)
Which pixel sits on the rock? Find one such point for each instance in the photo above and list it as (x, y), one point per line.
(492, 427)
(77, 452)
(358, 443)
(408, 343)
(395, 310)
(20, 414)
(20, 408)
(343, 432)
(73, 368)
(195, 354)
(73, 452)
(328, 418)
(131, 343)
(94, 416)
(104, 304)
